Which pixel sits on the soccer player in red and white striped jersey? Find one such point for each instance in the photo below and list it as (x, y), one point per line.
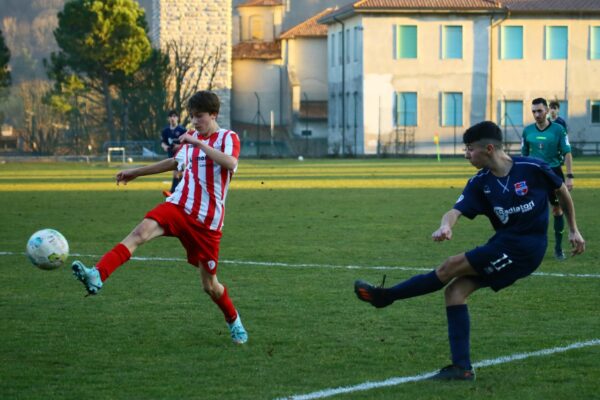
(194, 212)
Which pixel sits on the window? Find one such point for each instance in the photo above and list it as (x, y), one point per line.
(347, 46)
(452, 42)
(512, 113)
(511, 43)
(557, 41)
(340, 47)
(256, 28)
(595, 111)
(405, 41)
(452, 109)
(355, 43)
(595, 43)
(332, 111)
(405, 109)
(332, 50)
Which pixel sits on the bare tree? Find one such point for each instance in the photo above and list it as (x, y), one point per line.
(192, 68)
(43, 124)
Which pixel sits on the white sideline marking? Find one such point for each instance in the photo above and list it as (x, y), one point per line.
(330, 266)
(404, 379)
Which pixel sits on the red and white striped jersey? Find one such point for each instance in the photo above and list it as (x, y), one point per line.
(203, 187)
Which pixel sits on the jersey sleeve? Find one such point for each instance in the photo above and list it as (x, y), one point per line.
(554, 181)
(180, 130)
(565, 146)
(470, 203)
(232, 145)
(181, 156)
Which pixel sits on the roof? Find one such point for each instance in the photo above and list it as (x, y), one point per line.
(308, 28)
(512, 6)
(261, 3)
(444, 4)
(313, 110)
(257, 50)
(556, 6)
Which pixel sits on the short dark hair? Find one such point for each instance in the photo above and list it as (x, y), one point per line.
(204, 101)
(173, 112)
(554, 104)
(486, 130)
(539, 100)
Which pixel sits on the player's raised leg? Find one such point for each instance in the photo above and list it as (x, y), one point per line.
(93, 277)
(219, 295)
(418, 285)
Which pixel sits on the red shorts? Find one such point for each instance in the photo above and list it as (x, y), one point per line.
(201, 243)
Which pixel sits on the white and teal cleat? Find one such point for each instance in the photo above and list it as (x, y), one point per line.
(238, 333)
(90, 277)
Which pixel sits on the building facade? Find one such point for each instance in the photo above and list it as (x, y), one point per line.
(399, 75)
(204, 26)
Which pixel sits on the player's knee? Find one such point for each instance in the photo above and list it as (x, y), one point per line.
(454, 294)
(139, 235)
(142, 233)
(448, 269)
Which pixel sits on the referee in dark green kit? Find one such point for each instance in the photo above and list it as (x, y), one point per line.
(548, 141)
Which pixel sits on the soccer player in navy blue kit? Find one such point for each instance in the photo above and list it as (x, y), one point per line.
(170, 143)
(512, 192)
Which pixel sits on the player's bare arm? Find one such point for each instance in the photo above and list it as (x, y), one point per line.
(127, 175)
(569, 167)
(566, 203)
(444, 232)
(217, 156)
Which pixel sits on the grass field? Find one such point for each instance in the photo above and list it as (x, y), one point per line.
(296, 236)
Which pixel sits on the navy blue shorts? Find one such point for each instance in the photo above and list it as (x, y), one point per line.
(504, 260)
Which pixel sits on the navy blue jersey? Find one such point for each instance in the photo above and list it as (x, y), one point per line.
(169, 134)
(516, 204)
(562, 122)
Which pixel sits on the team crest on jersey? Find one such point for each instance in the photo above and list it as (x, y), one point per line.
(212, 264)
(521, 188)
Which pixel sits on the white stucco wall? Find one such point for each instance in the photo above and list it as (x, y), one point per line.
(308, 57)
(576, 79)
(480, 76)
(260, 77)
(271, 18)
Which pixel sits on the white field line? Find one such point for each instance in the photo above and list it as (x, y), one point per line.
(329, 266)
(405, 379)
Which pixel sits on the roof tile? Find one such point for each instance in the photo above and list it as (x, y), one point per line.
(308, 28)
(257, 50)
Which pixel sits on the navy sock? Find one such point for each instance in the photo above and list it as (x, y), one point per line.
(415, 286)
(559, 227)
(458, 335)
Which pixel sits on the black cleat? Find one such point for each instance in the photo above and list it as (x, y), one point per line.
(454, 373)
(371, 294)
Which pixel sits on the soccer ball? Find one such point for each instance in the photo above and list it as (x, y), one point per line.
(47, 249)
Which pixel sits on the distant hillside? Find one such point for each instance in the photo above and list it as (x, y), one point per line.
(27, 27)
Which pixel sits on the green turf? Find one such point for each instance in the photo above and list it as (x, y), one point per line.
(153, 334)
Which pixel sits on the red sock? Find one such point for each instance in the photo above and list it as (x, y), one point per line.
(225, 304)
(113, 260)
